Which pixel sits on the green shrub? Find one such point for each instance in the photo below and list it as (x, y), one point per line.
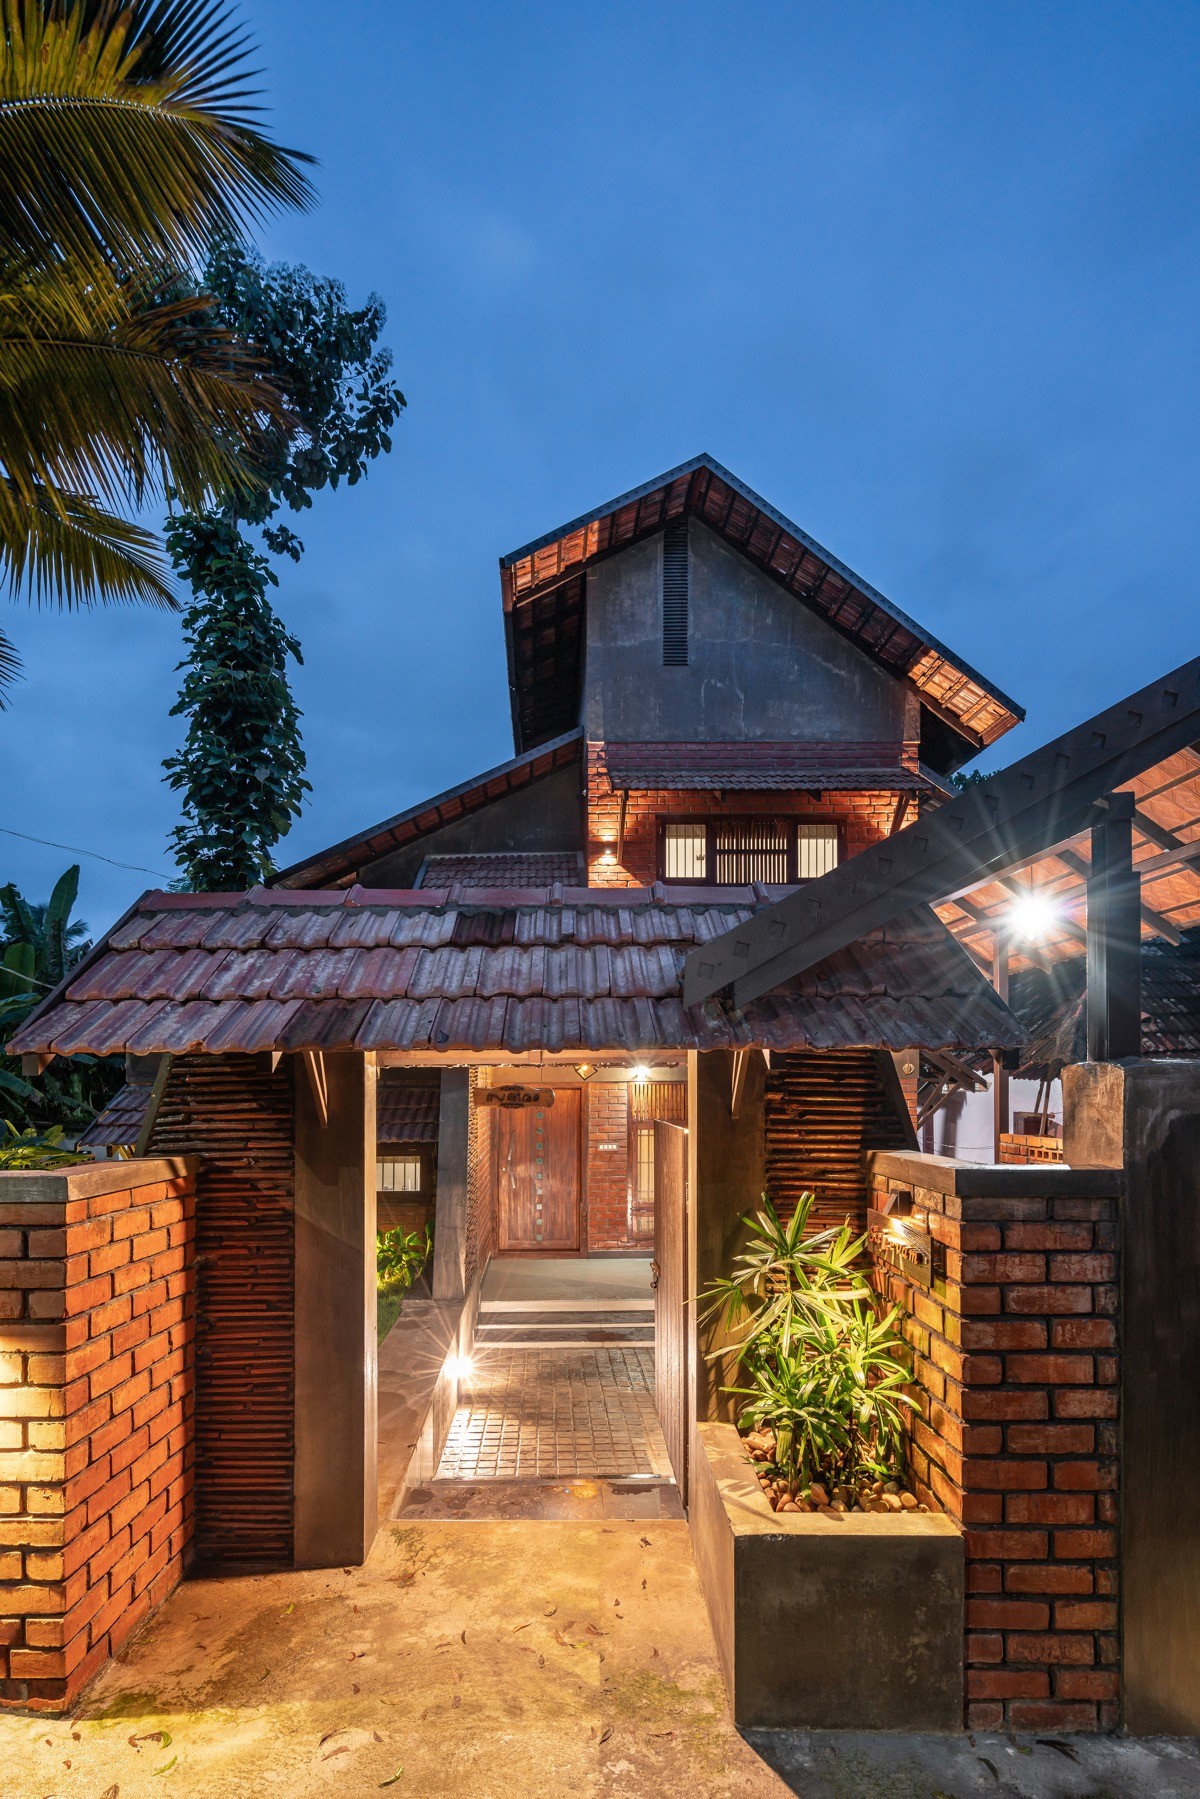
(34, 1149)
(400, 1257)
(819, 1365)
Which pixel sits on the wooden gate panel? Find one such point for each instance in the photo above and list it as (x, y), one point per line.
(670, 1310)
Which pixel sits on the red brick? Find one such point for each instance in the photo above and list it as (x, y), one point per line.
(1051, 1647)
(1007, 1614)
(1030, 1714)
(1050, 1370)
(1009, 1545)
(1086, 1683)
(1083, 1268)
(1049, 1508)
(1073, 1544)
(985, 1647)
(1075, 1614)
(1086, 1402)
(985, 1715)
(1048, 1300)
(1004, 1475)
(1048, 1577)
(1003, 1333)
(1005, 1268)
(1082, 1333)
(1085, 1477)
(1007, 1683)
(1048, 1236)
(986, 1405)
(1050, 1439)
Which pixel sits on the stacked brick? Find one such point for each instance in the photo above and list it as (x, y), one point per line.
(1016, 1365)
(864, 816)
(96, 1387)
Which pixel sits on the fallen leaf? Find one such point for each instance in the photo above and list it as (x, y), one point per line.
(643, 1586)
(342, 1749)
(992, 1769)
(463, 1638)
(559, 1638)
(354, 1687)
(167, 1766)
(606, 1733)
(517, 1627)
(392, 1778)
(76, 1737)
(653, 1653)
(112, 1792)
(593, 1632)
(551, 1612)
(291, 1608)
(645, 1542)
(1063, 1748)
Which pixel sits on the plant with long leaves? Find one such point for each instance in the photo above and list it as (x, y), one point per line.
(34, 1149)
(130, 139)
(821, 1367)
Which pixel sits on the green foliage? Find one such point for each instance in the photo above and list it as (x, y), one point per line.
(39, 945)
(241, 771)
(400, 1256)
(820, 1366)
(128, 142)
(34, 1149)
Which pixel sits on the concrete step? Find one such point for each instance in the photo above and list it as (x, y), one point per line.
(586, 1337)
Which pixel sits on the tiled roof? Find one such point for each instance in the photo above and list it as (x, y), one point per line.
(545, 599)
(523, 868)
(407, 1112)
(545, 969)
(342, 862)
(764, 767)
(1051, 1004)
(121, 1120)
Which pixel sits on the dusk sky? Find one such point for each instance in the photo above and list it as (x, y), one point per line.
(924, 275)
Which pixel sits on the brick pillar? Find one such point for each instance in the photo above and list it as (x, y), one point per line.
(1016, 1375)
(95, 1415)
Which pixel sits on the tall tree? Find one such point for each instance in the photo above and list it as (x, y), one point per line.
(129, 139)
(241, 768)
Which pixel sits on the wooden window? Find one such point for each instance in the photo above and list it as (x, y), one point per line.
(400, 1173)
(641, 1182)
(736, 852)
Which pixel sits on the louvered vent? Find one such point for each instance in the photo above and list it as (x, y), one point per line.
(675, 595)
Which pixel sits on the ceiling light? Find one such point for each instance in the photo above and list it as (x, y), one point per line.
(1032, 915)
(640, 1073)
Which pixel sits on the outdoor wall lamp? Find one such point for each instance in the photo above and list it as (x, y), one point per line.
(585, 1070)
(640, 1073)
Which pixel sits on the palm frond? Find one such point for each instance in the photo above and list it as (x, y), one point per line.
(119, 388)
(70, 550)
(132, 131)
(10, 668)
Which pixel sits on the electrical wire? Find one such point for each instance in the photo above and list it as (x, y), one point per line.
(73, 849)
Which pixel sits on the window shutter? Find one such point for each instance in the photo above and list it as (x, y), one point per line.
(675, 595)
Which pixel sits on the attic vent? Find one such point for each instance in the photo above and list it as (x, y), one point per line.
(675, 595)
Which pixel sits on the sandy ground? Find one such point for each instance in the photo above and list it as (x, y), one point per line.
(511, 1659)
(521, 1660)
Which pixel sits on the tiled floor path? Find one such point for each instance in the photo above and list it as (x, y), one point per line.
(562, 1413)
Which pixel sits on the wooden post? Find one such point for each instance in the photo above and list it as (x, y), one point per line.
(999, 1072)
(1114, 937)
(454, 1137)
(336, 1360)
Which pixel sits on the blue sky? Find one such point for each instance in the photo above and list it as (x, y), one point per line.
(925, 275)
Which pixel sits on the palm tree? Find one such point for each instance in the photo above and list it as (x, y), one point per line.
(128, 143)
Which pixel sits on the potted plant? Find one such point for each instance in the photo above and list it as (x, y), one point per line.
(822, 1375)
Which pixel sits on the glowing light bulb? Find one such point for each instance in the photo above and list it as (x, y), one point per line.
(1032, 915)
(640, 1073)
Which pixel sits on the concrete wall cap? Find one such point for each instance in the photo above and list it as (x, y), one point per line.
(55, 1186)
(995, 1180)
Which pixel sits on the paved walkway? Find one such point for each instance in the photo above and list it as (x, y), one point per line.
(563, 1413)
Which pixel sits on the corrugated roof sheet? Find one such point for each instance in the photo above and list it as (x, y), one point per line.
(517, 868)
(119, 1124)
(491, 970)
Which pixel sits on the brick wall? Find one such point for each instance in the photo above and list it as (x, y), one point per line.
(1015, 1357)
(864, 816)
(607, 1169)
(96, 1379)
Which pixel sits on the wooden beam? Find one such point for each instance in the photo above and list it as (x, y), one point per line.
(34, 1064)
(1023, 811)
(622, 803)
(318, 1080)
(1000, 1112)
(1152, 919)
(1114, 949)
(159, 1087)
(738, 1083)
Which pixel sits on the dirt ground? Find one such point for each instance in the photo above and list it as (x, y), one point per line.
(518, 1660)
(513, 1660)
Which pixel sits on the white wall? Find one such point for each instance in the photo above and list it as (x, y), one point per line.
(964, 1126)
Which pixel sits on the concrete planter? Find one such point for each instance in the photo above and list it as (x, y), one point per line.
(825, 1626)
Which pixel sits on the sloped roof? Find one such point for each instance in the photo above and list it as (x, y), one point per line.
(1051, 1004)
(343, 862)
(766, 768)
(407, 1111)
(544, 969)
(515, 868)
(543, 592)
(121, 1121)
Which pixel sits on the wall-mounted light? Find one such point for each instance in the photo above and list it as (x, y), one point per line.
(585, 1070)
(640, 1073)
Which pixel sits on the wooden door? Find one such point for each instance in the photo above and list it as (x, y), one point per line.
(671, 1287)
(538, 1174)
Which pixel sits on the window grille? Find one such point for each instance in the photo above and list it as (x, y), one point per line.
(675, 595)
(685, 852)
(398, 1174)
(746, 851)
(816, 850)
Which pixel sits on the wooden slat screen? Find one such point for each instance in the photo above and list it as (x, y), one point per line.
(824, 1109)
(649, 1100)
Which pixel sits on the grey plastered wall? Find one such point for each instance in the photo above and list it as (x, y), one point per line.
(545, 815)
(336, 1345)
(761, 665)
(1144, 1117)
(726, 1178)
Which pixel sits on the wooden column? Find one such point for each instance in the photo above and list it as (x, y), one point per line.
(1000, 1113)
(1114, 937)
(336, 1353)
(450, 1211)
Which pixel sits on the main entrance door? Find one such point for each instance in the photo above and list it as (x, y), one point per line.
(538, 1174)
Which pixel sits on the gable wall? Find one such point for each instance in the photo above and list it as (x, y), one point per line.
(761, 665)
(545, 815)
